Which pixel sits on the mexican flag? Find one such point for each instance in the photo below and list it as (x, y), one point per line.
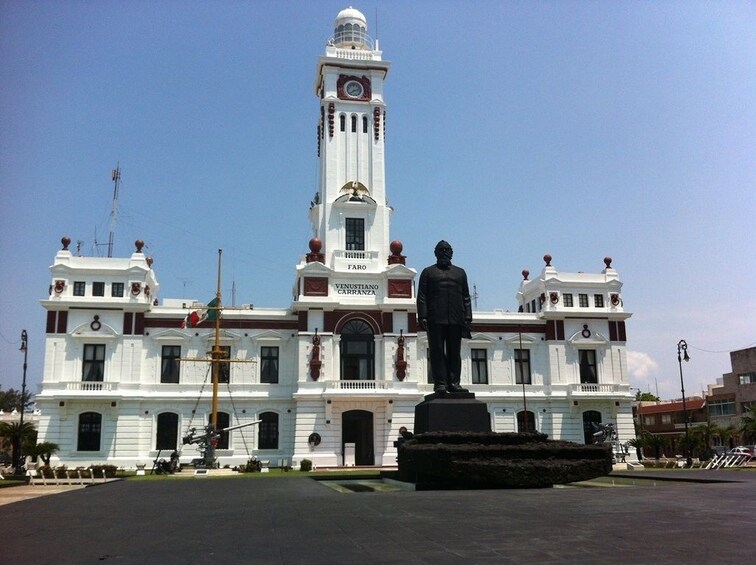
(195, 318)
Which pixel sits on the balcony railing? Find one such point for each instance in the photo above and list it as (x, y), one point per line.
(359, 385)
(91, 386)
(359, 255)
(597, 388)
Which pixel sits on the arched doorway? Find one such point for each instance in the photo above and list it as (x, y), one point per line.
(590, 417)
(357, 352)
(357, 428)
(526, 421)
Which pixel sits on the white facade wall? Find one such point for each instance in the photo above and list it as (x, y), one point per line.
(135, 327)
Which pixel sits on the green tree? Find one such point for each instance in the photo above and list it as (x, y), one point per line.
(656, 443)
(748, 425)
(15, 435)
(702, 438)
(11, 399)
(44, 450)
(646, 397)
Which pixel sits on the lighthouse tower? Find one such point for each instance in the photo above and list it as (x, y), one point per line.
(349, 214)
(353, 294)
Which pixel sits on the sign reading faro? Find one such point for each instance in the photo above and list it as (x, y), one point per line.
(362, 289)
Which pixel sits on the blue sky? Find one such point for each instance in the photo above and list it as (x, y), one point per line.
(515, 129)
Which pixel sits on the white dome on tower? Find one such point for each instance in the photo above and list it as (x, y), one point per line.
(350, 30)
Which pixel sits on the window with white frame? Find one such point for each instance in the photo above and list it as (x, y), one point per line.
(522, 366)
(89, 432)
(588, 369)
(269, 364)
(166, 436)
(267, 435)
(93, 367)
(479, 366)
(169, 364)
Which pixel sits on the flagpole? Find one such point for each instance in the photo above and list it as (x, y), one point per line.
(217, 353)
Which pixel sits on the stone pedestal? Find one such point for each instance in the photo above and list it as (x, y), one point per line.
(451, 412)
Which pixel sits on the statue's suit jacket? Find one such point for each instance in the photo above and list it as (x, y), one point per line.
(443, 296)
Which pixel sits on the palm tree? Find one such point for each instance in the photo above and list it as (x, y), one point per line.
(748, 425)
(726, 435)
(702, 436)
(16, 436)
(44, 450)
(656, 442)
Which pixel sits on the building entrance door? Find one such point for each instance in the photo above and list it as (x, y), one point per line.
(357, 428)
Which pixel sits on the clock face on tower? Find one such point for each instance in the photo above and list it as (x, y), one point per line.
(352, 87)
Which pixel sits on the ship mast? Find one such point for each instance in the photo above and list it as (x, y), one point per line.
(114, 208)
(217, 354)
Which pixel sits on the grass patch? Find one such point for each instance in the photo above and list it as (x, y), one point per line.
(273, 473)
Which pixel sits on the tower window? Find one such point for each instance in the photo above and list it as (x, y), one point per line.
(567, 299)
(342, 122)
(354, 124)
(355, 234)
(583, 300)
(364, 124)
(598, 300)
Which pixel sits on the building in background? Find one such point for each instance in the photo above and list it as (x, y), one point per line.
(344, 363)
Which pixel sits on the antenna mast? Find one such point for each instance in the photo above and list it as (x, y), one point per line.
(113, 211)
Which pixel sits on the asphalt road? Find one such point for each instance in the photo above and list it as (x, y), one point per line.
(293, 520)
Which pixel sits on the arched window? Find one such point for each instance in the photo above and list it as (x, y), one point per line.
(90, 430)
(526, 421)
(590, 417)
(223, 422)
(364, 124)
(167, 431)
(342, 122)
(354, 124)
(267, 435)
(357, 352)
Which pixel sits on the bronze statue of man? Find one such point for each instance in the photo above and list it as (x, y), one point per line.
(445, 312)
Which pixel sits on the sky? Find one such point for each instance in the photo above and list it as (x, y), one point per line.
(514, 129)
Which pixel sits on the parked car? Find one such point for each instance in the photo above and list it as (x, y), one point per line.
(742, 450)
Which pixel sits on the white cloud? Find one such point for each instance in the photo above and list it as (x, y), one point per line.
(641, 367)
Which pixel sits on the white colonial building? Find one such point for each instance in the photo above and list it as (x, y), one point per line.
(345, 362)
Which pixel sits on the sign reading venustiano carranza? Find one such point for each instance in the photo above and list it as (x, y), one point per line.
(357, 289)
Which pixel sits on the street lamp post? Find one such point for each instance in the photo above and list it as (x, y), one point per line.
(682, 348)
(20, 439)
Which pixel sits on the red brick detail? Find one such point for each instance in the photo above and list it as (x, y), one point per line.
(508, 328)
(230, 324)
(551, 330)
(399, 288)
(128, 323)
(388, 322)
(302, 322)
(316, 286)
(51, 319)
(617, 331)
(63, 321)
(139, 323)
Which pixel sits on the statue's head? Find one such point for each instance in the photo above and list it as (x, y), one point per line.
(443, 253)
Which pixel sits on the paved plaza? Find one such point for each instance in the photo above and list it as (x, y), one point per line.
(293, 520)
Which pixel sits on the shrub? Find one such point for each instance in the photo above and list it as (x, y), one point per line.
(305, 465)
